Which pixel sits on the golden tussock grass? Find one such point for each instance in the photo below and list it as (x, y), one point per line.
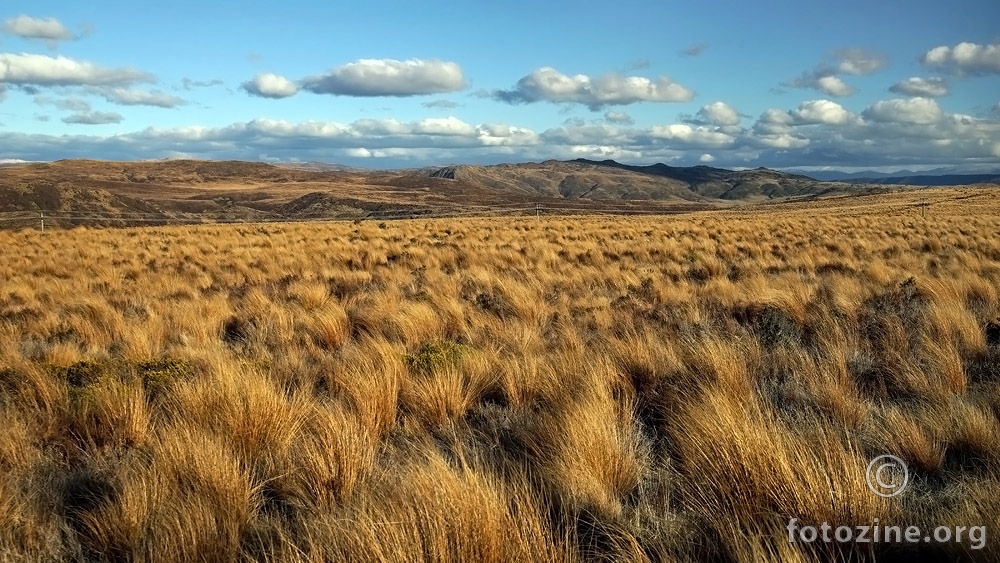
(556, 389)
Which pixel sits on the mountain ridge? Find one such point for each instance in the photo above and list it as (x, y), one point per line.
(179, 190)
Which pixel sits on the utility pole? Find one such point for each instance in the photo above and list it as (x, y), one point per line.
(41, 218)
(536, 210)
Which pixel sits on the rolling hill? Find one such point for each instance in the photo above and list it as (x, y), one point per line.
(100, 192)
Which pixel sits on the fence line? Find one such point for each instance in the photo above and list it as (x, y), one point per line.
(55, 218)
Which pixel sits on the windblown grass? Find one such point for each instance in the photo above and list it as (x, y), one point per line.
(565, 389)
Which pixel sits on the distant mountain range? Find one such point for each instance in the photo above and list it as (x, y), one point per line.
(170, 191)
(943, 176)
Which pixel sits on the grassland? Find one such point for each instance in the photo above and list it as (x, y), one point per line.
(555, 389)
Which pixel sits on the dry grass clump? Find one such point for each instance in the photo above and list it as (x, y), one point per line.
(557, 389)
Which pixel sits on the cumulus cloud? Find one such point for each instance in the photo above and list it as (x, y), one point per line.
(858, 62)
(775, 129)
(964, 58)
(824, 112)
(920, 111)
(388, 77)
(28, 70)
(816, 133)
(433, 126)
(618, 117)
(774, 122)
(833, 86)
(587, 134)
(825, 77)
(780, 141)
(719, 113)
(268, 85)
(549, 85)
(829, 84)
(48, 29)
(501, 134)
(697, 136)
(93, 118)
(138, 97)
(921, 87)
(706, 158)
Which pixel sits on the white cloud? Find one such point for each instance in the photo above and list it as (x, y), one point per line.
(921, 87)
(780, 141)
(821, 112)
(49, 29)
(442, 126)
(584, 134)
(40, 70)
(829, 84)
(358, 152)
(852, 60)
(498, 134)
(618, 117)
(920, 111)
(93, 118)
(964, 58)
(549, 85)
(388, 77)
(706, 158)
(432, 126)
(137, 97)
(720, 113)
(857, 61)
(268, 85)
(774, 121)
(833, 86)
(817, 133)
(700, 136)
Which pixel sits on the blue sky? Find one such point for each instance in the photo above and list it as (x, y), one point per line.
(381, 84)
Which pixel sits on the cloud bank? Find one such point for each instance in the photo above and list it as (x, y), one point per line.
(964, 58)
(821, 132)
(547, 84)
(40, 70)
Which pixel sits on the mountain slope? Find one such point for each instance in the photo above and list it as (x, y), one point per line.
(96, 192)
(557, 179)
(720, 183)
